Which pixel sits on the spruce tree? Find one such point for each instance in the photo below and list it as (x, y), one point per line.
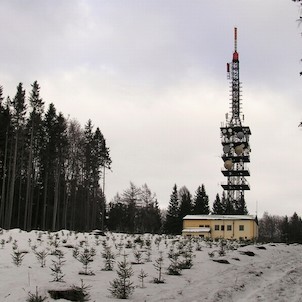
(18, 119)
(185, 207)
(172, 217)
(201, 202)
(121, 287)
(240, 207)
(217, 206)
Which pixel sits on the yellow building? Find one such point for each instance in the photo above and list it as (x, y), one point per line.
(243, 227)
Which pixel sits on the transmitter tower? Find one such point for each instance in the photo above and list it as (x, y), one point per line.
(235, 143)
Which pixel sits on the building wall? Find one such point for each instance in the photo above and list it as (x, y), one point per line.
(228, 229)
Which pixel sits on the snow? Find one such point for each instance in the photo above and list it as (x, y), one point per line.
(219, 217)
(273, 274)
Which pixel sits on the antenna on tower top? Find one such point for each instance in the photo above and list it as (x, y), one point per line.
(235, 38)
(235, 54)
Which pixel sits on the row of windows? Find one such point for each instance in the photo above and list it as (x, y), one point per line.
(229, 227)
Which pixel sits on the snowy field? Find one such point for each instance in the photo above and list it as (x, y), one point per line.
(270, 272)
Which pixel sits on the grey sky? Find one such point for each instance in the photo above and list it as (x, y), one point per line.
(152, 76)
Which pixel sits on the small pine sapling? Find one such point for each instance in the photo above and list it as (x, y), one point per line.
(41, 256)
(56, 267)
(187, 263)
(159, 267)
(198, 246)
(75, 252)
(121, 287)
(138, 257)
(175, 267)
(129, 244)
(85, 258)
(148, 256)
(15, 245)
(2, 242)
(35, 297)
(221, 251)
(83, 289)
(108, 259)
(142, 275)
(17, 257)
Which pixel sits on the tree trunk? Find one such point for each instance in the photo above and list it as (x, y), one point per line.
(45, 201)
(3, 195)
(12, 187)
(29, 179)
(56, 198)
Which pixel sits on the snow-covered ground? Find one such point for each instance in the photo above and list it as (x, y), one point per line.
(274, 273)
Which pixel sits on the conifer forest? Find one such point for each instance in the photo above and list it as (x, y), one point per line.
(50, 167)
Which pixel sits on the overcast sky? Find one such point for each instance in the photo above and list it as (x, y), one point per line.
(152, 75)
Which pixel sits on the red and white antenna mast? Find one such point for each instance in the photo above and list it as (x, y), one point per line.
(235, 142)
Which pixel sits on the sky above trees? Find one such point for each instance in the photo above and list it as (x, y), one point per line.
(152, 75)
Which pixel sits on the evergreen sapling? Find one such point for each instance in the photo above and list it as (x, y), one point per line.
(121, 287)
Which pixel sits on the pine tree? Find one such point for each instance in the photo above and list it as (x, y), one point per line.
(217, 206)
(185, 207)
(34, 126)
(172, 217)
(201, 202)
(240, 207)
(5, 131)
(18, 119)
(48, 159)
(121, 287)
(228, 206)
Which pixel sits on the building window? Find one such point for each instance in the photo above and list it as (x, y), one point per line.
(201, 225)
(207, 225)
(241, 227)
(222, 228)
(216, 227)
(229, 227)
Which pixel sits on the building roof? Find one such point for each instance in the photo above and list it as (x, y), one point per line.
(196, 230)
(219, 217)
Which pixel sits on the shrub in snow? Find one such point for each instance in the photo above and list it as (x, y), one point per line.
(121, 287)
(187, 262)
(85, 257)
(2, 242)
(148, 243)
(142, 275)
(75, 252)
(148, 256)
(138, 257)
(221, 251)
(139, 240)
(10, 238)
(211, 254)
(35, 297)
(120, 248)
(41, 256)
(17, 257)
(159, 267)
(56, 267)
(174, 268)
(198, 246)
(129, 244)
(108, 259)
(15, 245)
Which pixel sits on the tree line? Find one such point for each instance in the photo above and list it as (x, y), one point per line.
(50, 167)
(273, 228)
(182, 203)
